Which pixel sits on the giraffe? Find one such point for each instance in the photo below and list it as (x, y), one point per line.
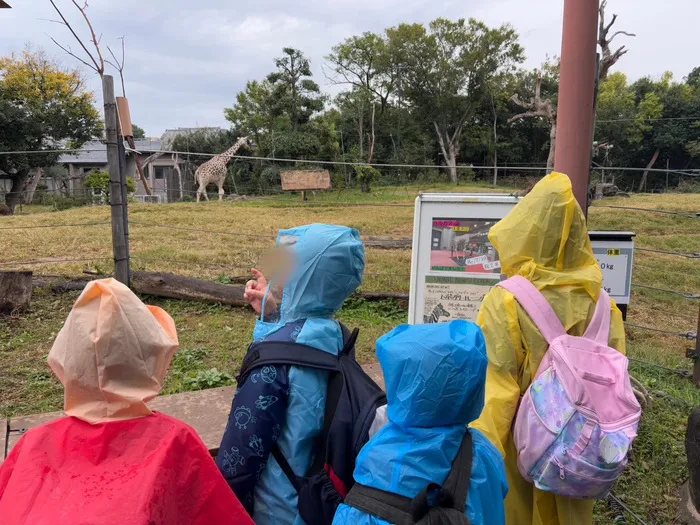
(214, 170)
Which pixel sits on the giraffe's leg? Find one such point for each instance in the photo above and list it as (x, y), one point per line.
(221, 192)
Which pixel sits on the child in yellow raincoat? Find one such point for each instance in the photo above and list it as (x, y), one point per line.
(545, 240)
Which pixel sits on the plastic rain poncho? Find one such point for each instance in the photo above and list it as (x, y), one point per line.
(285, 404)
(434, 377)
(544, 239)
(113, 460)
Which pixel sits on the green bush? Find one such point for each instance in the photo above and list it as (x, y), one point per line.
(367, 175)
(688, 186)
(66, 203)
(187, 198)
(98, 181)
(208, 379)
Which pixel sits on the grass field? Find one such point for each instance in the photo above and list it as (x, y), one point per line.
(214, 338)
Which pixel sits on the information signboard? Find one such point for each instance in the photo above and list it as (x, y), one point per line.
(453, 263)
(614, 252)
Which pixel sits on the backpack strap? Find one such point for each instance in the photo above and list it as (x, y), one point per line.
(536, 306)
(335, 389)
(460, 476)
(404, 511)
(599, 329)
(384, 505)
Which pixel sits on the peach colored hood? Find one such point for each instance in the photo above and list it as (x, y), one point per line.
(112, 353)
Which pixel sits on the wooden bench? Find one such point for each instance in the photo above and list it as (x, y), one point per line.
(205, 410)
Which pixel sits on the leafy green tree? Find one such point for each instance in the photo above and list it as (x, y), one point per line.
(253, 114)
(447, 68)
(139, 133)
(42, 106)
(294, 94)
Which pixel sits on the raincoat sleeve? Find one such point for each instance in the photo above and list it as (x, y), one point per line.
(498, 320)
(258, 413)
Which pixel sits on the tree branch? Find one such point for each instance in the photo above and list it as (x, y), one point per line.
(95, 40)
(620, 33)
(96, 66)
(72, 54)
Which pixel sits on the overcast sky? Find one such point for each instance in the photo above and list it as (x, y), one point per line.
(187, 60)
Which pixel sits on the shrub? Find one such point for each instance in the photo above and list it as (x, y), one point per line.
(367, 175)
(208, 379)
(66, 203)
(98, 182)
(688, 186)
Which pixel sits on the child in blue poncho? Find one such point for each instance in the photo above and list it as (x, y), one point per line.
(434, 375)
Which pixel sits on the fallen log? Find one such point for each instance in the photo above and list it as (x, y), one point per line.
(177, 287)
(186, 288)
(388, 244)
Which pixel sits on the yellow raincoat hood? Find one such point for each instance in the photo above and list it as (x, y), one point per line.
(112, 353)
(544, 239)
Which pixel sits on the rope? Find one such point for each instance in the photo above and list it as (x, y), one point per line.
(691, 336)
(627, 509)
(667, 212)
(685, 295)
(56, 226)
(55, 261)
(688, 255)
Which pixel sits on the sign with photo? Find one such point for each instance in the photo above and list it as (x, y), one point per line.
(453, 263)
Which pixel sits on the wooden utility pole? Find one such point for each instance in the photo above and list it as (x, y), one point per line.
(119, 243)
(576, 94)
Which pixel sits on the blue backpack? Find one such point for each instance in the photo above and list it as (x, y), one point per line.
(352, 401)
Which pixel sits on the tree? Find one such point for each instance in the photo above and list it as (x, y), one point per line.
(98, 181)
(252, 114)
(42, 106)
(293, 94)
(447, 69)
(609, 57)
(542, 107)
(139, 133)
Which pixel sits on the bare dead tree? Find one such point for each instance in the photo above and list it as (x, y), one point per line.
(539, 108)
(119, 66)
(94, 60)
(609, 57)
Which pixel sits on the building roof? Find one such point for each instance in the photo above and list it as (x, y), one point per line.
(95, 152)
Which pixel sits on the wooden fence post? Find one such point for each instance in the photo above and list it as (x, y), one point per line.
(696, 369)
(690, 493)
(125, 197)
(119, 245)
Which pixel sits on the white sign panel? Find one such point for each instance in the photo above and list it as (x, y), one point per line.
(614, 252)
(454, 265)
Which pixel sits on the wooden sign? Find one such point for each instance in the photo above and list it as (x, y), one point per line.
(305, 180)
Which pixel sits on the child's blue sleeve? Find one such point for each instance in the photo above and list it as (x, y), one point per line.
(258, 413)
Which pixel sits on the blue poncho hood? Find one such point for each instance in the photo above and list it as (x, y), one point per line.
(434, 374)
(328, 266)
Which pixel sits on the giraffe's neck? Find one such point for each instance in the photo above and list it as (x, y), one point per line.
(233, 149)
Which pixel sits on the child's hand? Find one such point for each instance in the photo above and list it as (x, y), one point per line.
(255, 291)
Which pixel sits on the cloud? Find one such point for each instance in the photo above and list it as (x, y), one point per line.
(187, 60)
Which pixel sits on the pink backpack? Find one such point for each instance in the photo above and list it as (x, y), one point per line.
(578, 418)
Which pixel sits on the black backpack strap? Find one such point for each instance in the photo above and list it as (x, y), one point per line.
(335, 389)
(384, 505)
(397, 509)
(460, 476)
(285, 353)
(285, 466)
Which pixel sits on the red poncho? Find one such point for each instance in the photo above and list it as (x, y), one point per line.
(151, 470)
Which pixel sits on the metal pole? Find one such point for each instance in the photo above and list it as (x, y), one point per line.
(576, 93)
(121, 262)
